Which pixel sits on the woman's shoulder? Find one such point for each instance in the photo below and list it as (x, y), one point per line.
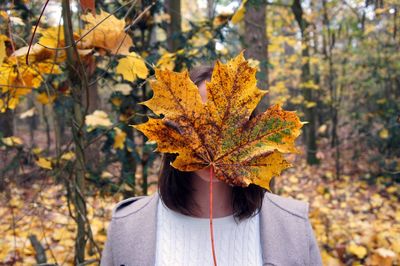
(133, 205)
(285, 205)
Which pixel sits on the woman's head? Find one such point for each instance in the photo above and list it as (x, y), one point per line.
(176, 187)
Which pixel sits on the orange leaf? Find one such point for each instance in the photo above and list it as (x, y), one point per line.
(106, 32)
(220, 133)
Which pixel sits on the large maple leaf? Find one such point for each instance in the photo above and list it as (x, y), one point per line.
(220, 133)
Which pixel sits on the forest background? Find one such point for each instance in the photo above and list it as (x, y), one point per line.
(68, 153)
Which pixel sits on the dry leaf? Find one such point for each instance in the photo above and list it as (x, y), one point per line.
(28, 113)
(220, 132)
(166, 61)
(3, 55)
(43, 98)
(109, 35)
(384, 133)
(97, 119)
(68, 156)
(119, 139)
(12, 141)
(239, 14)
(358, 250)
(44, 163)
(132, 67)
(124, 89)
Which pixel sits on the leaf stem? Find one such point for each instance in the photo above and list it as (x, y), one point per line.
(211, 211)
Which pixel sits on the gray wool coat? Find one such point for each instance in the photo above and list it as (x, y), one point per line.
(287, 238)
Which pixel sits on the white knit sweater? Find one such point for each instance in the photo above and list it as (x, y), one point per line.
(184, 240)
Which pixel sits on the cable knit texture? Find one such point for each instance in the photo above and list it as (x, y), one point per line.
(185, 240)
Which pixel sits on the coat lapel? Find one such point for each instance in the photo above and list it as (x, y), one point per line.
(281, 232)
(139, 248)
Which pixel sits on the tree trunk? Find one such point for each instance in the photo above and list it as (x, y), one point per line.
(210, 8)
(310, 114)
(91, 99)
(7, 123)
(335, 99)
(256, 44)
(78, 82)
(173, 8)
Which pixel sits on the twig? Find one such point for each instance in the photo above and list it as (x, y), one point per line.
(34, 32)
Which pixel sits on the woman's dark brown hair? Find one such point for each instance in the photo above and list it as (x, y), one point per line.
(175, 187)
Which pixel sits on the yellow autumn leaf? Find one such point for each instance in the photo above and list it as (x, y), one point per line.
(36, 150)
(43, 51)
(385, 252)
(18, 79)
(12, 141)
(297, 99)
(119, 139)
(239, 14)
(358, 250)
(254, 63)
(293, 179)
(51, 37)
(43, 98)
(57, 235)
(222, 18)
(131, 67)
(3, 55)
(160, 17)
(310, 104)
(396, 242)
(36, 53)
(379, 11)
(194, 52)
(108, 34)
(4, 14)
(381, 101)
(68, 156)
(97, 119)
(202, 38)
(44, 163)
(309, 85)
(9, 74)
(329, 260)
(28, 113)
(322, 129)
(106, 174)
(166, 61)
(10, 103)
(384, 133)
(383, 257)
(117, 101)
(17, 21)
(124, 89)
(123, 117)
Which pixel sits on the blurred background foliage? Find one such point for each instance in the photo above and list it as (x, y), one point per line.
(69, 153)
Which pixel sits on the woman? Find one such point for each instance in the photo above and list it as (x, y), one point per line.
(171, 227)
